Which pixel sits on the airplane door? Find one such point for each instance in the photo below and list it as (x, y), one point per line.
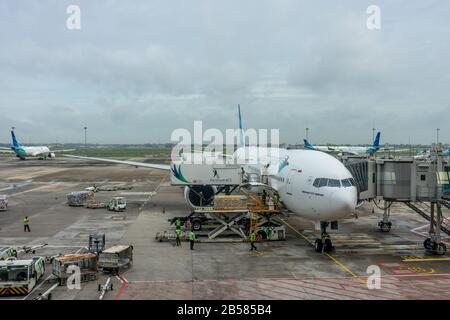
(290, 182)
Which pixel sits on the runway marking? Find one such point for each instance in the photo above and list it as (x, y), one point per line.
(37, 287)
(154, 192)
(345, 268)
(34, 189)
(414, 286)
(425, 259)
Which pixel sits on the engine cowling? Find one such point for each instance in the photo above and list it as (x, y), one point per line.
(51, 155)
(199, 196)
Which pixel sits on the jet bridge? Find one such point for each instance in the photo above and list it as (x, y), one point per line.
(423, 186)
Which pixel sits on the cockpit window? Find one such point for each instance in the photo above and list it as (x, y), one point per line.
(323, 182)
(334, 183)
(352, 182)
(316, 182)
(346, 183)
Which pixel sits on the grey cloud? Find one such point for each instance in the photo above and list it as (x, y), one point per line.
(135, 72)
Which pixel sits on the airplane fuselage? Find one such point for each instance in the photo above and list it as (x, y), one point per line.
(296, 174)
(37, 151)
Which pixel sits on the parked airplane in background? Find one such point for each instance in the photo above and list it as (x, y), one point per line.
(347, 149)
(22, 152)
(426, 154)
(312, 185)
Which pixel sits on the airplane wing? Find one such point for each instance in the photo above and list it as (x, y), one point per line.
(130, 163)
(63, 150)
(6, 150)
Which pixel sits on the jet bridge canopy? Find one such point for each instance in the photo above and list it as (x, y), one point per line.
(399, 179)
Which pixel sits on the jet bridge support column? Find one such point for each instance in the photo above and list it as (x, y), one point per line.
(385, 224)
(433, 243)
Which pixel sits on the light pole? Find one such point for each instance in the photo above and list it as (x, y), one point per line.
(85, 140)
(437, 135)
(373, 134)
(307, 130)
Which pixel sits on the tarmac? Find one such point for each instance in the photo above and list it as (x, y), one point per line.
(288, 269)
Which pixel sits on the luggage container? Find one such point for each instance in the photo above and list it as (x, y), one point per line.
(87, 263)
(115, 258)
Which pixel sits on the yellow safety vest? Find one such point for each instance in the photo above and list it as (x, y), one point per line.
(252, 236)
(26, 221)
(191, 236)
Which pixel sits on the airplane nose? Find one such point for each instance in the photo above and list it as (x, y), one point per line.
(345, 200)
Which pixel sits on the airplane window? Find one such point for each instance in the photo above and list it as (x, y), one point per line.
(316, 182)
(334, 183)
(323, 182)
(346, 183)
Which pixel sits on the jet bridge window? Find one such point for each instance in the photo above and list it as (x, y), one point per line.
(334, 183)
(443, 177)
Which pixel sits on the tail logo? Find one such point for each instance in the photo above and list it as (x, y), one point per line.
(177, 174)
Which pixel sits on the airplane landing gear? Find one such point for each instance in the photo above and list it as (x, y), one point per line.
(385, 226)
(324, 244)
(437, 248)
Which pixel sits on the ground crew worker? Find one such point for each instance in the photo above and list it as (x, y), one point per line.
(264, 196)
(178, 233)
(252, 241)
(276, 199)
(242, 174)
(178, 223)
(26, 224)
(191, 237)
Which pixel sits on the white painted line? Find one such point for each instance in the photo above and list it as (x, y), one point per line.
(37, 287)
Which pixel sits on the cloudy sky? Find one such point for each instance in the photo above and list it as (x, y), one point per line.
(136, 70)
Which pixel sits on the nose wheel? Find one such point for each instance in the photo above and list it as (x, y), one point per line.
(436, 248)
(324, 244)
(385, 226)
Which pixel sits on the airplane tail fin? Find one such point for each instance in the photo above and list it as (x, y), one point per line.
(15, 144)
(308, 145)
(376, 142)
(241, 129)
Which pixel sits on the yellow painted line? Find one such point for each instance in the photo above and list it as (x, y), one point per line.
(326, 254)
(296, 231)
(426, 259)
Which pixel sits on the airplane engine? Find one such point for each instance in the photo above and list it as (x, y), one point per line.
(199, 196)
(51, 155)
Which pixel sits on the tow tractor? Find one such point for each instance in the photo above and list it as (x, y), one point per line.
(7, 252)
(196, 220)
(117, 204)
(19, 277)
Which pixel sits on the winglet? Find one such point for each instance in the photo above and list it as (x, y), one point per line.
(15, 144)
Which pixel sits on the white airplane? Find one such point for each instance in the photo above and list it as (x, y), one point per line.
(347, 149)
(22, 152)
(312, 185)
(426, 154)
